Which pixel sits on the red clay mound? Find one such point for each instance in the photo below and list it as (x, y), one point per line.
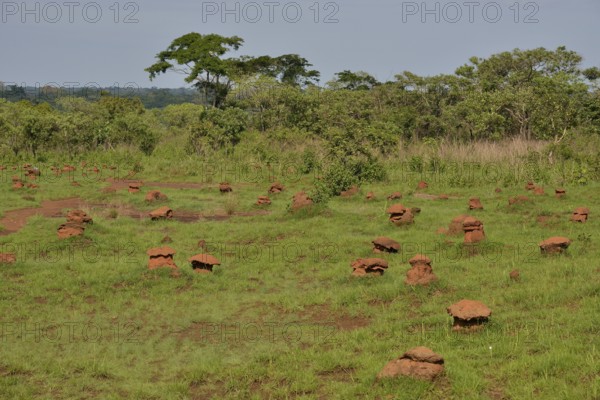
(530, 186)
(7, 258)
(263, 201)
(369, 266)
(161, 213)
(580, 214)
(555, 245)
(419, 363)
(203, 263)
(400, 215)
(518, 200)
(155, 195)
(134, 187)
(301, 200)
(421, 272)
(161, 257)
(498, 190)
(475, 204)
(560, 193)
(469, 314)
(225, 187)
(422, 185)
(538, 190)
(276, 187)
(456, 226)
(473, 229)
(70, 229)
(350, 192)
(384, 244)
(514, 275)
(79, 217)
(370, 196)
(395, 196)
(443, 197)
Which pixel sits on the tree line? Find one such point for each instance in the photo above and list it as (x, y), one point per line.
(532, 94)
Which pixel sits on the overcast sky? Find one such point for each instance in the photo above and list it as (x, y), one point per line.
(81, 42)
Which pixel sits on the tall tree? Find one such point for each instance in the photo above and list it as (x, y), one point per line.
(200, 58)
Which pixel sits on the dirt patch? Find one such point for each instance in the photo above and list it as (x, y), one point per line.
(124, 184)
(338, 374)
(322, 314)
(15, 220)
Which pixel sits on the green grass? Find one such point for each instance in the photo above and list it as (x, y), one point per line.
(282, 318)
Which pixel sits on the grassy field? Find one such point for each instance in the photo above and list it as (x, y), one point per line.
(282, 318)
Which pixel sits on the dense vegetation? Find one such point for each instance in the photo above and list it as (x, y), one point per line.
(267, 104)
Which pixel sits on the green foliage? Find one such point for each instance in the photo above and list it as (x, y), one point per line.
(310, 162)
(215, 129)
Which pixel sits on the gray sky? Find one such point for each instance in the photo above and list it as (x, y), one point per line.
(72, 42)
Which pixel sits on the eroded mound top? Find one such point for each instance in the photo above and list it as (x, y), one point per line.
(165, 251)
(206, 259)
(423, 354)
(419, 259)
(469, 309)
(386, 243)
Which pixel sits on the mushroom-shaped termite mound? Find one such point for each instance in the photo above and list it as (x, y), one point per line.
(420, 272)
(8, 258)
(580, 214)
(79, 217)
(530, 186)
(225, 187)
(395, 196)
(263, 201)
(161, 257)
(70, 229)
(400, 215)
(555, 245)
(155, 195)
(469, 314)
(384, 244)
(473, 229)
(370, 196)
(369, 266)
(135, 187)
(419, 363)
(203, 263)
(301, 200)
(276, 187)
(422, 185)
(161, 213)
(475, 204)
(350, 192)
(560, 193)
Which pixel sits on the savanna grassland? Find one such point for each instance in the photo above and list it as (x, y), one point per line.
(281, 317)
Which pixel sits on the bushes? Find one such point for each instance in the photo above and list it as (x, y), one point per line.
(215, 129)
